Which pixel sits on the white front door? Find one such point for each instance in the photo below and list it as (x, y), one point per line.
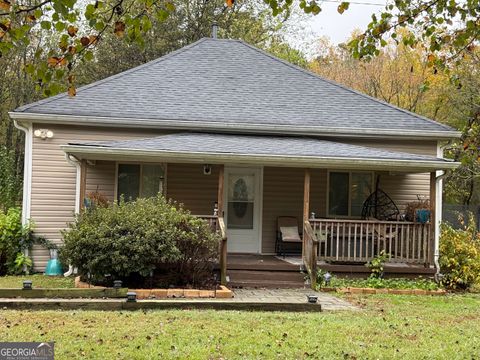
(242, 209)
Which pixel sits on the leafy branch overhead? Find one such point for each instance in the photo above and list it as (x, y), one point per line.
(450, 29)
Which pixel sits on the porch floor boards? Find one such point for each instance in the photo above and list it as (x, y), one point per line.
(269, 271)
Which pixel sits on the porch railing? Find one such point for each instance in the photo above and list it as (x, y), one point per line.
(310, 251)
(362, 240)
(217, 224)
(212, 221)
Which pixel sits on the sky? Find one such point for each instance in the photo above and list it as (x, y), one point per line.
(338, 27)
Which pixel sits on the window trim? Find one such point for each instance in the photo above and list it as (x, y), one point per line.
(349, 216)
(165, 175)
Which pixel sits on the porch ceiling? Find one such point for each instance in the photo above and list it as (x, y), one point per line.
(255, 149)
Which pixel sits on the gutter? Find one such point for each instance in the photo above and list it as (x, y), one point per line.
(245, 128)
(99, 153)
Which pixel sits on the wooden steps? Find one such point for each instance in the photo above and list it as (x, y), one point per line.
(265, 279)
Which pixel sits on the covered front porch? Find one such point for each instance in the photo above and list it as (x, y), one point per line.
(242, 184)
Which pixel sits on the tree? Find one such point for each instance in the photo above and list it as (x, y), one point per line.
(81, 25)
(399, 75)
(463, 94)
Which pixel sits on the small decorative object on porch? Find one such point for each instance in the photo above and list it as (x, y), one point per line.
(327, 277)
(27, 285)
(422, 216)
(312, 299)
(412, 211)
(131, 296)
(379, 205)
(96, 198)
(54, 268)
(117, 284)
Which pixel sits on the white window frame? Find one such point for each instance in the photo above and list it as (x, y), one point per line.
(117, 163)
(350, 172)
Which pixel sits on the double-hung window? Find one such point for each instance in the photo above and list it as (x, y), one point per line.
(140, 180)
(347, 191)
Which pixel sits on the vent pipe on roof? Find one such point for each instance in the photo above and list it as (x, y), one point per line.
(214, 30)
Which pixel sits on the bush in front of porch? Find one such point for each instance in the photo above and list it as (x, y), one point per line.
(141, 242)
(460, 256)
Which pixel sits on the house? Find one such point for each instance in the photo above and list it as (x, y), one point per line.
(227, 129)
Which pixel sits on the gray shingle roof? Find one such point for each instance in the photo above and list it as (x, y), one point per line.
(254, 145)
(230, 82)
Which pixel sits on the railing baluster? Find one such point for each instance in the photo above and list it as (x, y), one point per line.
(407, 257)
(354, 241)
(338, 235)
(349, 241)
(361, 241)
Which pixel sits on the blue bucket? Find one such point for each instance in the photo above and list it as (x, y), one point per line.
(54, 268)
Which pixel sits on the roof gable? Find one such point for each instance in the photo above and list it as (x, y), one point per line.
(228, 82)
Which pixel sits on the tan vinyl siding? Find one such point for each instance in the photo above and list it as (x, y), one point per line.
(101, 178)
(53, 178)
(401, 187)
(409, 146)
(282, 196)
(187, 184)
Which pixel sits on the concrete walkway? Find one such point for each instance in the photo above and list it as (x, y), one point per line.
(291, 296)
(245, 299)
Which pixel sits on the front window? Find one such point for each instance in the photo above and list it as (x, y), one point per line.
(140, 180)
(347, 192)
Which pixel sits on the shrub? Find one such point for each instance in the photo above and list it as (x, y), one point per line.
(460, 256)
(15, 238)
(129, 239)
(376, 265)
(10, 179)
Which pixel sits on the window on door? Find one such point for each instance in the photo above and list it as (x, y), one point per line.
(347, 192)
(140, 180)
(240, 202)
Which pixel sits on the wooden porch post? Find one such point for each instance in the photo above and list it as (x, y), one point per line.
(221, 175)
(433, 217)
(306, 204)
(223, 230)
(83, 183)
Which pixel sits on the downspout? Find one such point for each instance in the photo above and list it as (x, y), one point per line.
(27, 174)
(440, 174)
(72, 160)
(438, 220)
(27, 171)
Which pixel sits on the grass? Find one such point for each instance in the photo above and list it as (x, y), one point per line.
(38, 281)
(406, 327)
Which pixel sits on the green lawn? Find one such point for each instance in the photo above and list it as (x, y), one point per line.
(38, 281)
(402, 327)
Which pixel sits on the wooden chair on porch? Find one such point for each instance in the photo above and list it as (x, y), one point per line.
(287, 233)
